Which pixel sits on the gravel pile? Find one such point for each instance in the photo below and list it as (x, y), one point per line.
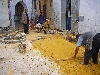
(32, 62)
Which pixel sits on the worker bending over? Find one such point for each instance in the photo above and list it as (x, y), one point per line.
(91, 40)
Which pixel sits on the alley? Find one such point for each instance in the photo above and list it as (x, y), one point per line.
(43, 37)
(45, 56)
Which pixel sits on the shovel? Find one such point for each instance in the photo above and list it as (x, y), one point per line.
(65, 59)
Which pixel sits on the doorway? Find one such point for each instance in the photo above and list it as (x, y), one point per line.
(44, 11)
(73, 6)
(68, 14)
(18, 16)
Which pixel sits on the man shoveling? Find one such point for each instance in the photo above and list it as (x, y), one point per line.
(91, 40)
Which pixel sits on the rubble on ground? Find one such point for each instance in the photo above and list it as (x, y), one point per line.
(32, 62)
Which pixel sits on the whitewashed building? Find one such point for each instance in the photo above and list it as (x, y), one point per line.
(89, 9)
(4, 14)
(85, 13)
(16, 9)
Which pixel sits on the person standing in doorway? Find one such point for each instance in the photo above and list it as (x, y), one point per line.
(25, 21)
(68, 19)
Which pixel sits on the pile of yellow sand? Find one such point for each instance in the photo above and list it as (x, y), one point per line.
(56, 47)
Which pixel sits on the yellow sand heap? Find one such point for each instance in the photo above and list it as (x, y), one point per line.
(59, 49)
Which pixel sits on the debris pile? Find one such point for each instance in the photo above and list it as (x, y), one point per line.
(13, 38)
(32, 62)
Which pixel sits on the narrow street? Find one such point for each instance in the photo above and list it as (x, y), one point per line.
(61, 51)
(32, 62)
(49, 37)
(44, 56)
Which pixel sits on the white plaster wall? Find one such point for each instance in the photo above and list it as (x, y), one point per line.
(57, 13)
(88, 10)
(63, 16)
(27, 4)
(4, 13)
(12, 11)
(74, 14)
(98, 17)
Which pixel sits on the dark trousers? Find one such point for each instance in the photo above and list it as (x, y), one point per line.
(94, 51)
(26, 28)
(68, 23)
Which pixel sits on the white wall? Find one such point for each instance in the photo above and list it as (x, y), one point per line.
(98, 17)
(27, 4)
(63, 16)
(4, 13)
(57, 13)
(88, 9)
(74, 14)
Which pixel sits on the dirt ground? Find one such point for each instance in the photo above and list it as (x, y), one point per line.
(61, 51)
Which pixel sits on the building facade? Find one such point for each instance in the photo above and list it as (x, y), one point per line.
(4, 14)
(16, 9)
(89, 10)
(84, 13)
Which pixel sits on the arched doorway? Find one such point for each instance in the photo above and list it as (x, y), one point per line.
(18, 15)
(19, 8)
(17, 3)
